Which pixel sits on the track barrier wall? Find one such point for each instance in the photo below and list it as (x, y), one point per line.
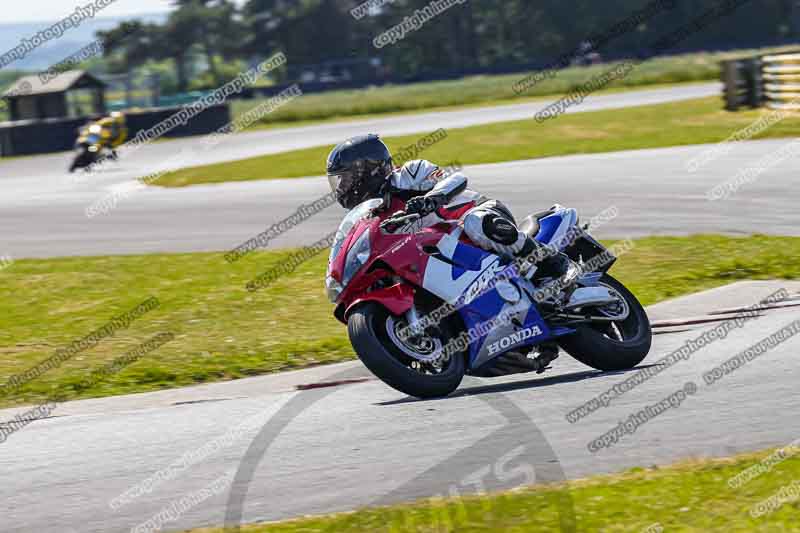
(30, 137)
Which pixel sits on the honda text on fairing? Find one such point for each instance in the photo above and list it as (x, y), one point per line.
(424, 306)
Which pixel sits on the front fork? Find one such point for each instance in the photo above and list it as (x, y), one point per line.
(412, 318)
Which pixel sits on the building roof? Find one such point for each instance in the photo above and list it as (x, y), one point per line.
(70, 79)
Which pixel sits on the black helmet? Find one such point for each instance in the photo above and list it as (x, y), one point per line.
(357, 169)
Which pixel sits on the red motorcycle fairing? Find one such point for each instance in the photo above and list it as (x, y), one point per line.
(336, 268)
(403, 261)
(398, 299)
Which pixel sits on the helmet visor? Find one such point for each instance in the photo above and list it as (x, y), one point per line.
(343, 186)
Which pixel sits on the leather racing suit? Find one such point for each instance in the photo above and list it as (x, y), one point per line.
(488, 223)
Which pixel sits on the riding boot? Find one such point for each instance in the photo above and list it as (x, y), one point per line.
(548, 352)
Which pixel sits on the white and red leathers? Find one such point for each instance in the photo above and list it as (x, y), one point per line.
(488, 223)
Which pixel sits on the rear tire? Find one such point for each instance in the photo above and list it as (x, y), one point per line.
(595, 348)
(367, 329)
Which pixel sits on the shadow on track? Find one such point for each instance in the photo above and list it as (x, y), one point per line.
(518, 385)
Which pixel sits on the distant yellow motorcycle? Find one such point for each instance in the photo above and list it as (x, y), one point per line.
(104, 135)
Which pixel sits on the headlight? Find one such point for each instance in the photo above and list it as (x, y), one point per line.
(333, 288)
(356, 257)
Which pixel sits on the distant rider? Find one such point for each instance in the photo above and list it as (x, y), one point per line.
(115, 131)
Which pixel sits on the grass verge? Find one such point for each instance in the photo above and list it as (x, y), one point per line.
(655, 126)
(485, 89)
(687, 497)
(225, 332)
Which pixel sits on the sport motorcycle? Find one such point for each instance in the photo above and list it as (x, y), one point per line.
(424, 306)
(92, 142)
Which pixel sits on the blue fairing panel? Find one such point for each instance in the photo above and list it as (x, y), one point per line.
(483, 308)
(466, 258)
(489, 306)
(548, 227)
(535, 319)
(469, 257)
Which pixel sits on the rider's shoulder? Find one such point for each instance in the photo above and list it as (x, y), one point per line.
(419, 175)
(418, 169)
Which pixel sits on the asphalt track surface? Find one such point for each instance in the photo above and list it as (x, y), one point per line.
(652, 189)
(42, 208)
(363, 443)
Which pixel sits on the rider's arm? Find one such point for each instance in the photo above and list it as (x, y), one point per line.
(449, 187)
(441, 194)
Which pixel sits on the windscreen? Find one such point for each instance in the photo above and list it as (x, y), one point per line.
(359, 212)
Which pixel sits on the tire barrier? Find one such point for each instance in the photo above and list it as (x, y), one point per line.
(742, 79)
(771, 81)
(781, 75)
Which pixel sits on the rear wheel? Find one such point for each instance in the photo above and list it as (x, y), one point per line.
(613, 345)
(416, 367)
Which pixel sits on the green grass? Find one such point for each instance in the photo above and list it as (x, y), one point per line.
(455, 107)
(680, 123)
(225, 332)
(485, 89)
(687, 497)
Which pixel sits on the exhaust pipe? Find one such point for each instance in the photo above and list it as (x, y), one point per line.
(584, 296)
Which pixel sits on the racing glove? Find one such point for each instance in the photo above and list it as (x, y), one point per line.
(425, 205)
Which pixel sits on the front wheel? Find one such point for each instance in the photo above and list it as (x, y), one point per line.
(77, 162)
(415, 367)
(82, 160)
(613, 345)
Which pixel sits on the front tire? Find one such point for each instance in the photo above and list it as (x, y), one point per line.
(82, 160)
(77, 162)
(367, 327)
(594, 344)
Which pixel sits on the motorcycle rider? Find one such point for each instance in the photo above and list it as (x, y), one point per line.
(361, 168)
(115, 131)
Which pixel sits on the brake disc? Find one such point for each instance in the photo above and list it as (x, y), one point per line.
(423, 348)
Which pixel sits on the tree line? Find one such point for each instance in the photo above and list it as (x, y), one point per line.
(469, 36)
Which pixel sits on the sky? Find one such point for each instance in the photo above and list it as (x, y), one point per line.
(52, 10)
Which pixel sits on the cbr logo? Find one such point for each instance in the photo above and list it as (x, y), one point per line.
(480, 285)
(515, 338)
